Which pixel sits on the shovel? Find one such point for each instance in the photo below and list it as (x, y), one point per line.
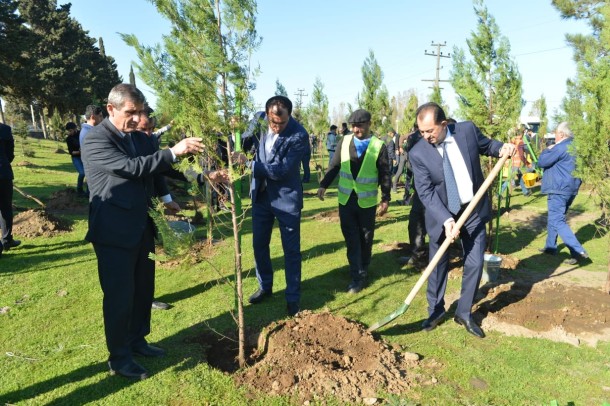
(441, 251)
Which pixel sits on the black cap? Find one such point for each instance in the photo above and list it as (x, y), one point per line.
(360, 116)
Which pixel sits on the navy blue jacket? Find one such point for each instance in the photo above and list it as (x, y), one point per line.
(280, 171)
(559, 164)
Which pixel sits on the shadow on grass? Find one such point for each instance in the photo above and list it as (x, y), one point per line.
(29, 258)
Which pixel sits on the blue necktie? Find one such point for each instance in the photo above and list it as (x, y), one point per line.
(453, 196)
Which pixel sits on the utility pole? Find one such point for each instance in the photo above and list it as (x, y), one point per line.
(299, 103)
(438, 55)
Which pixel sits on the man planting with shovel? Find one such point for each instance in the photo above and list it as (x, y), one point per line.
(448, 173)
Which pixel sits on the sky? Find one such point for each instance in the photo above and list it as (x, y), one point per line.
(330, 39)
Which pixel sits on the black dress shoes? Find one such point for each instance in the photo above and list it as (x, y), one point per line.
(259, 296)
(433, 321)
(11, 244)
(132, 370)
(148, 350)
(356, 287)
(583, 256)
(293, 308)
(470, 326)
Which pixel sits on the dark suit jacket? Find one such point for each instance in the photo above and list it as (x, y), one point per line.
(120, 183)
(427, 166)
(7, 152)
(281, 171)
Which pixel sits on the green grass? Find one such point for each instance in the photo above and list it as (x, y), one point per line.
(52, 343)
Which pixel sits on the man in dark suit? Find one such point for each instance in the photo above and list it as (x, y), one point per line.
(447, 174)
(7, 154)
(276, 190)
(120, 184)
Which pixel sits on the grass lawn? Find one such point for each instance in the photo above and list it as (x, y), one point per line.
(52, 342)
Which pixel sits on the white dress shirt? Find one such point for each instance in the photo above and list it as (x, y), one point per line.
(458, 165)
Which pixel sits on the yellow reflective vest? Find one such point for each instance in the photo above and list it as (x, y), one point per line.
(366, 184)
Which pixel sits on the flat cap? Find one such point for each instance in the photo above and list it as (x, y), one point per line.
(359, 116)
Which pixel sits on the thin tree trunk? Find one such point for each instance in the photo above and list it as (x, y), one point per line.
(607, 287)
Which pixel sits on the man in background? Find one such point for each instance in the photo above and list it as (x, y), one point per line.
(363, 166)
(561, 188)
(7, 154)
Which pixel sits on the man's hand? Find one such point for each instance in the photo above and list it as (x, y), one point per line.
(509, 149)
(451, 231)
(383, 208)
(191, 145)
(171, 207)
(321, 193)
(219, 176)
(239, 158)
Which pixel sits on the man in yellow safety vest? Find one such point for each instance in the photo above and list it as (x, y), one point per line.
(361, 160)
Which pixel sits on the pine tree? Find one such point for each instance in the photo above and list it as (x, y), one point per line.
(280, 90)
(201, 74)
(132, 76)
(488, 86)
(374, 96)
(587, 104)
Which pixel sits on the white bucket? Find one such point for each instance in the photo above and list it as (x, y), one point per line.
(491, 268)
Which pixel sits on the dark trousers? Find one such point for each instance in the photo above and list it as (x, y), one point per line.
(6, 210)
(358, 227)
(417, 225)
(127, 278)
(472, 236)
(400, 168)
(263, 217)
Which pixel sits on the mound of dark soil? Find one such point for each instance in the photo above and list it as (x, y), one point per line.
(36, 223)
(317, 354)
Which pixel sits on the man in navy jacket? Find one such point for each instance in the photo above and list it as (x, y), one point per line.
(462, 143)
(280, 143)
(561, 188)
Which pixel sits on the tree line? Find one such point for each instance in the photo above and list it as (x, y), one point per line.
(48, 61)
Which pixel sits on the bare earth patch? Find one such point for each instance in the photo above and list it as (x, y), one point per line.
(67, 201)
(36, 223)
(318, 354)
(329, 216)
(550, 310)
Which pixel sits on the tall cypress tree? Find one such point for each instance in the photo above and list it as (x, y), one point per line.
(587, 104)
(489, 86)
(374, 96)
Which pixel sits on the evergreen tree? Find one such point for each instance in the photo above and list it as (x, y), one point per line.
(280, 90)
(374, 96)
(16, 40)
(488, 86)
(587, 104)
(317, 111)
(201, 74)
(408, 116)
(65, 70)
(132, 76)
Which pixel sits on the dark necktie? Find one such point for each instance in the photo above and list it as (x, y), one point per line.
(453, 196)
